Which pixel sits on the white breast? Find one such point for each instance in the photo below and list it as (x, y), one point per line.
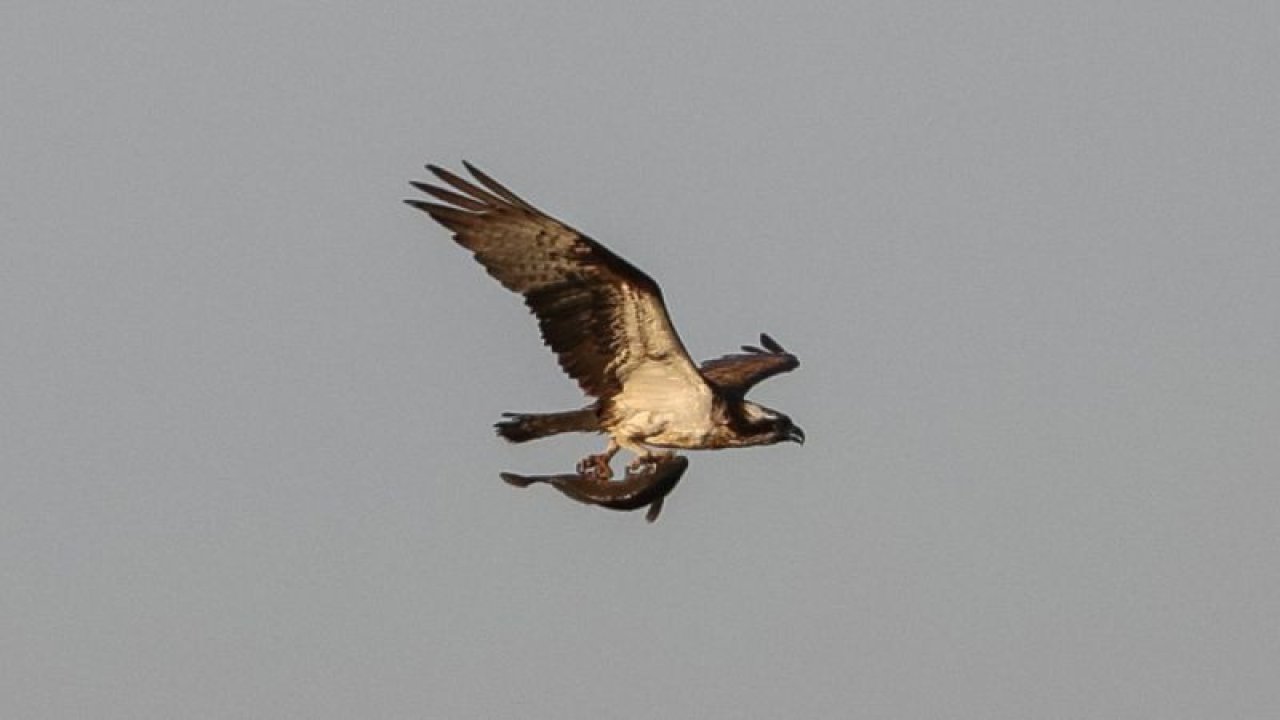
(659, 406)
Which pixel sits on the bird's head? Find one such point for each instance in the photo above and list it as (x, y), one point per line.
(768, 426)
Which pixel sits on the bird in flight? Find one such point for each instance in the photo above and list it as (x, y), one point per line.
(606, 322)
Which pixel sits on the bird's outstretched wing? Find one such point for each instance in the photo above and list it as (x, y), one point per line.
(737, 373)
(602, 316)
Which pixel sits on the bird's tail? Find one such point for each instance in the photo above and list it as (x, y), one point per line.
(523, 427)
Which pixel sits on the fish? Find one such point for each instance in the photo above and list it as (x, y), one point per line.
(646, 486)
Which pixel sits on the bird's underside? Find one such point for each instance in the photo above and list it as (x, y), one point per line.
(731, 371)
(607, 323)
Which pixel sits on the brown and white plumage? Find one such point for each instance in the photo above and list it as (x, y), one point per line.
(607, 323)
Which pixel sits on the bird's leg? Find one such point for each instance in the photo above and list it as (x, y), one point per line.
(598, 465)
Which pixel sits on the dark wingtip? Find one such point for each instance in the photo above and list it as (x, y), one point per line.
(443, 173)
(770, 344)
(442, 214)
(496, 187)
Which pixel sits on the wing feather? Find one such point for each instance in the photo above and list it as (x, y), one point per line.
(452, 198)
(737, 373)
(465, 186)
(603, 317)
(497, 187)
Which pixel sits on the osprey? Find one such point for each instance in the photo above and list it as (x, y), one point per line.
(605, 320)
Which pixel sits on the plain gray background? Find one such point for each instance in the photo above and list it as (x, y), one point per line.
(1029, 254)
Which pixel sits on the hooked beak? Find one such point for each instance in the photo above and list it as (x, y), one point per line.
(795, 434)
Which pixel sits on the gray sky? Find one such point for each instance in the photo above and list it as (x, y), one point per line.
(1027, 252)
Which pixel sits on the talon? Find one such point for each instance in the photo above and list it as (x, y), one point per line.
(642, 465)
(595, 465)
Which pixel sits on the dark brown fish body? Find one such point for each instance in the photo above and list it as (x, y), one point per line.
(647, 487)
